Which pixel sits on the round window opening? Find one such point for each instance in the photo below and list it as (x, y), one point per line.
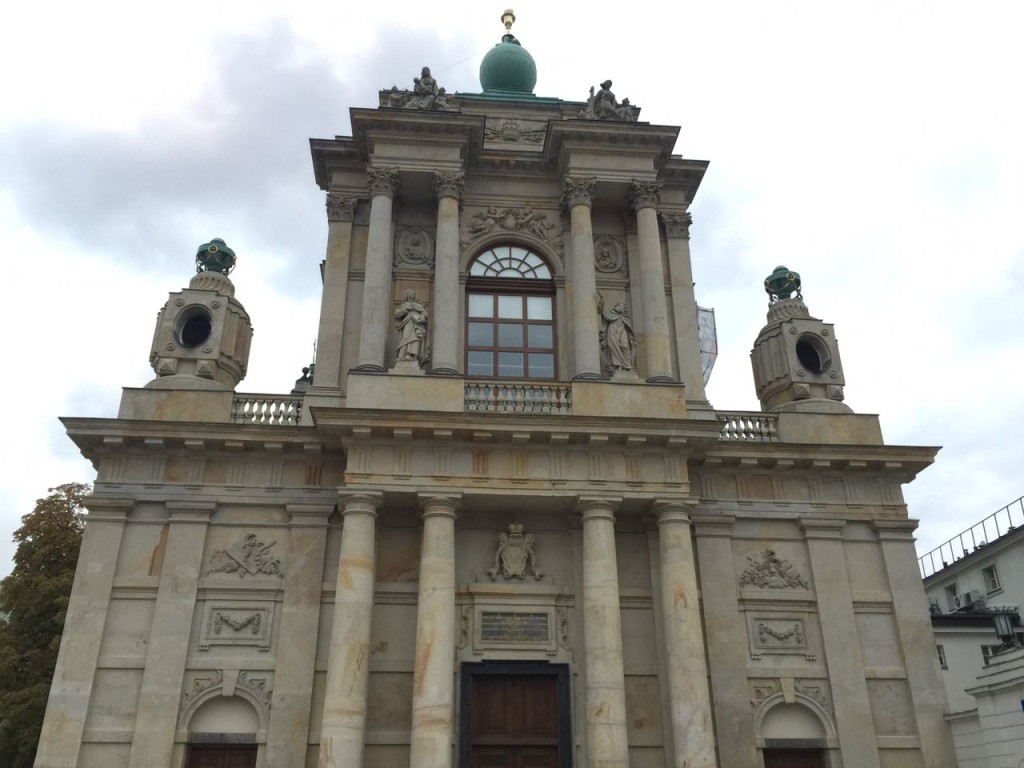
(812, 354)
(194, 327)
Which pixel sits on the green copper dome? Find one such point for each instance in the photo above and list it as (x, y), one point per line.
(508, 67)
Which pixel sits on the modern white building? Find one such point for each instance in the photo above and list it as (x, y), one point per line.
(968, 580)
(502, 525)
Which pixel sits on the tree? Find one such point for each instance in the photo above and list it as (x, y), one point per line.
(35, 598)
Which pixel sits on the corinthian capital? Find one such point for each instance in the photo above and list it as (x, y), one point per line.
(578, 192)
(449, 183)
(382, 181)
(644, 194)
(677, 224)
(340, 208)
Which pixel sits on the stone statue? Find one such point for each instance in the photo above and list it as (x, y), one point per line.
(411, 323)
(618, 341)
(425, 95)
(604, 106)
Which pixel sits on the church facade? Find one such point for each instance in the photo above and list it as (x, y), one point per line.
(500, 524)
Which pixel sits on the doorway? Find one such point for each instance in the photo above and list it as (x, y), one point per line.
(221, 756)
(515, 715)
(793, 758)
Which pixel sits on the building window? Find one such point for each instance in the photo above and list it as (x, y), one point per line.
(510, 315)
(942, 656)
(951, 597)
(991, 576)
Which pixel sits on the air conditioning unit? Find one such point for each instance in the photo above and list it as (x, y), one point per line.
(968, 599)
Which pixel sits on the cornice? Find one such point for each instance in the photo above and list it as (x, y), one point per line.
(905, 462)
(431, 127)
(657, 141)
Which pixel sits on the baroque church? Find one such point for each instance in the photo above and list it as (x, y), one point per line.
(498, 524)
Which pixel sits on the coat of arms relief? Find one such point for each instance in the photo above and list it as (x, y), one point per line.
(514, 555)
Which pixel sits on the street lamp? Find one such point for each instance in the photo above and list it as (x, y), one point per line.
(1004, 621)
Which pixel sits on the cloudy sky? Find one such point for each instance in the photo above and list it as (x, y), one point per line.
(875, 147)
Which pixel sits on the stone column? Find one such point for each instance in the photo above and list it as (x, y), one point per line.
(602, 637)
(68, 705)
(854, 723)
(645, 197)
(728, 652)
(445, 358)
(377, 288)
(917, 639)
(340, 212)
(578, 198)
(692, 733)
(287, 736)
(433, 687)
(344, 720)
(684, 304)
(157, 711)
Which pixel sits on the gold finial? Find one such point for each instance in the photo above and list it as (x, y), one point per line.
(508, 19)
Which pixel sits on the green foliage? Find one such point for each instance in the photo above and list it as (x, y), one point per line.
(35, 598)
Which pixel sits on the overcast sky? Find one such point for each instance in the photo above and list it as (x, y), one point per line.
(875, 147)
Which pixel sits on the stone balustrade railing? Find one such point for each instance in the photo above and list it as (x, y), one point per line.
(504, 397)
(751, 427)
(266, 409)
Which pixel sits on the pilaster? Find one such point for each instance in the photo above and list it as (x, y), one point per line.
(73, 677)
(331, 332)
(687, 675)
(845, 662)
(726, 641)
(684, 304)
(578, 198)
(645, 197)
(445, 357)
(288, 733)
(157, 711)
(433, 697)
(343, 724)
(607, 745)
(376, 317)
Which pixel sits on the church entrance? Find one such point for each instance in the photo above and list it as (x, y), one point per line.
(221, 756)
(793, 758)
(515, 715)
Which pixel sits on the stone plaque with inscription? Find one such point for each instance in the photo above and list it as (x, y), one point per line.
(514, 627)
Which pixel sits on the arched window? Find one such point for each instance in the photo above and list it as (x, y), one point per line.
(510, 315)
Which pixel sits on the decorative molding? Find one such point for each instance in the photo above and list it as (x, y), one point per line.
(250, 557)
(449, 183)
(237, 625)
(200, 686)
(258, 686)
(610, 255)
(511, 131)
(341, 208)
(643, 194)
(677, 225)
(526, 220)
(778, 635)
(414, 247)
(252, 686)
(768, 571)
(514, 554)
(816, 693)
(578, 191)
(382, 181)
(562, 616)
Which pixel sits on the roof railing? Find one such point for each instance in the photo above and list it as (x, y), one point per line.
(975, 538)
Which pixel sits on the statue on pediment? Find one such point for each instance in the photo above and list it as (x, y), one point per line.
(604, 106)
(425, 94)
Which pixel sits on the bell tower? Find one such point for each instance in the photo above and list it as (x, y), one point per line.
(203, 333)
(795, 356)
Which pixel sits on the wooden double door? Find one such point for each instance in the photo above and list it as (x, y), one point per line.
(793, 758)
(515, 716)
(221, 756)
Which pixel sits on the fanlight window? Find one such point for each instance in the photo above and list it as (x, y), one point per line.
(510, 315)
(510, 261)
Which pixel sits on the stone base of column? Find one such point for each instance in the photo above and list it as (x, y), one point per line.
(444, 372)
(407, 368)
(661, 379)
(587, 377)
(369, 368)
(631, 377)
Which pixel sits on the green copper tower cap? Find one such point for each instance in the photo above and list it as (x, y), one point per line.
(508, 67)
(781, 284)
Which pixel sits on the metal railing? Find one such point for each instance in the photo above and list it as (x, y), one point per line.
(977, 537)
(748, 426)
(503, 397)
(284, 410)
